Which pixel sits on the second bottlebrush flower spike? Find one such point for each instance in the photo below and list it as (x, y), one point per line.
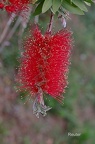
(15, 6)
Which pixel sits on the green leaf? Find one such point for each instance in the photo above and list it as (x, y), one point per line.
(56, 5)
(88, 4)
(89, 1)
(47, 4)
(73, 9)
(38, 9)
(80, 4)
(38, 1)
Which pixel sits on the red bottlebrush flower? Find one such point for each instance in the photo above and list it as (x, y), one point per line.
(45, 61)
(10, 8)
(15, 6)
(1, 5)
(19, 1)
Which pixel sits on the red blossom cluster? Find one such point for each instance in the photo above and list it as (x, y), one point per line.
(14, 5)
(44, 63)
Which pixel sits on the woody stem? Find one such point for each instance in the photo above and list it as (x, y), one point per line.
(40, 96)
(50, 23)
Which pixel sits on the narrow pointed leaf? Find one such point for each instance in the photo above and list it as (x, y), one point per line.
(71, 8)
(56, 5)
(80, 4)
(38, 9)
(47, 4)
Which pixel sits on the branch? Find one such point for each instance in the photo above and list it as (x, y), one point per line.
(3, 35)
(50, 23)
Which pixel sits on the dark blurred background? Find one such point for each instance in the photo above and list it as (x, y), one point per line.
(18, 125)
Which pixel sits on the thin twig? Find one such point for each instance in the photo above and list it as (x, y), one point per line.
(6, 42)
(19, 21)
(3, 35)
(14, 29)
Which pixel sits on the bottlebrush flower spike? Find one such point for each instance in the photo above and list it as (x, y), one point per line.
(16, 6)
(10, 8)
(1, 5)
(44, 66)
(19, 1)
